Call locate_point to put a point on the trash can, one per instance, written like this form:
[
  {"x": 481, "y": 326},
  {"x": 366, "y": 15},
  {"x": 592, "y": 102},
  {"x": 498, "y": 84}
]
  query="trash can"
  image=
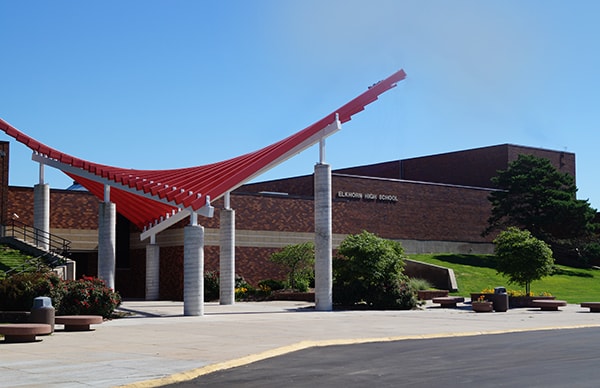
[
  {"x": 42, "y": 312},
  {"x": 500, "y": 300}
]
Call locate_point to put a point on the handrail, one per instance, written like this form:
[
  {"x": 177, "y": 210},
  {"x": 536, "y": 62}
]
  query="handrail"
[
  {"x": 53, "y": 244},
  {"x": 24, "y": 267}
]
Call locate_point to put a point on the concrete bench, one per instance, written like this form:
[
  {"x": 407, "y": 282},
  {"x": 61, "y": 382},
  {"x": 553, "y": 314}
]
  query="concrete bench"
[
  {"x": 548, "y": 305},
  {"x": 448, "y": 301},
  {"x": 430, "y": 294},
  {"x": 24, "y": 332},
  {"x": 593, "y": 306},
  {"x": 78, "y": 322}
]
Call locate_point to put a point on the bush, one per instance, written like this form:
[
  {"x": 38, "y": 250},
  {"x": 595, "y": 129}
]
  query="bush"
[
  {"x": 88, "y": 296},
  {"x": 405, "y": 296},
  {"x": 369, "y": 270},
  {"x": 419, "y": 284},
  {"x": 590, "y": 252},
  {"x": 243, "y": 290},
  {"x": 18, "y": 291},
  {"x": 299, "y": 260},
  {"x": 271, "y": 284},
  {"x": 211, "y": 286}
]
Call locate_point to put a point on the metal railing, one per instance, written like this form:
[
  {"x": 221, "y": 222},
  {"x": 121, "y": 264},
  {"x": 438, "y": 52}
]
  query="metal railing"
[
  {"x": 34, "y": 263},
  {"x": 49, "y": 242}
]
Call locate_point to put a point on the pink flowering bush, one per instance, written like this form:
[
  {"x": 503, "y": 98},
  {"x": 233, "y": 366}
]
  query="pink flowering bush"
[
  {"x": 18, "y": 291},
  {"x": 88, "y": 296}
]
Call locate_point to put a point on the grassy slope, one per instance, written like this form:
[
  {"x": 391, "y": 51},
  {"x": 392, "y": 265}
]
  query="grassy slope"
[
  {"x": 11, "y": 258},
  {"x": 476, "y": 272},
  {"x": 473, "y": 274}
]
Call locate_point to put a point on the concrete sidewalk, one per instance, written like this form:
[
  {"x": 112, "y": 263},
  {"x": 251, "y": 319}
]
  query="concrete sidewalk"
[{"x": 157, "y": 345}]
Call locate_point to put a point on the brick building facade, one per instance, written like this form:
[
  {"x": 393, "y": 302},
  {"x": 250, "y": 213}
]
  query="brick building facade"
[{"x": 434, "y": 203}]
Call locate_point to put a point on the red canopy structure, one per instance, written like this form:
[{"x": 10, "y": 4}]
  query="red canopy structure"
[{"x": 148, "y": 197}]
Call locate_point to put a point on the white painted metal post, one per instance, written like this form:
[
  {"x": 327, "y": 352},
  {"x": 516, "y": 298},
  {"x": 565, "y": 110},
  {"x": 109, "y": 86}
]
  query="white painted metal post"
[
  {"x": 323, "y": 239},
  {"x": 193, "y": 270}
]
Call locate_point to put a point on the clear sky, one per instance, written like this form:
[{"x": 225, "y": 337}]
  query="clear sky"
[{"x": 166, "y": 84}]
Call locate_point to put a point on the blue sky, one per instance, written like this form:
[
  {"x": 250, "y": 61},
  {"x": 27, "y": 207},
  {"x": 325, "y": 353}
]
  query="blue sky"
[{"x": 166, "y": 84}]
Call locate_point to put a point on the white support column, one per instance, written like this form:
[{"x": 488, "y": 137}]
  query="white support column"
[
  {"x": 193, "y": 270},
  {"x": 152, "y": 270},
  {"x": 227, "y": 255},
  {"x": 41, "y": 215},
  {"x": 323, "y": 238},
  {"x": 107, "y": 240}
]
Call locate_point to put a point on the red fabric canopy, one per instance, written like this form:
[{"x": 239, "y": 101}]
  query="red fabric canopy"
[{"x": 163, "y": 192}]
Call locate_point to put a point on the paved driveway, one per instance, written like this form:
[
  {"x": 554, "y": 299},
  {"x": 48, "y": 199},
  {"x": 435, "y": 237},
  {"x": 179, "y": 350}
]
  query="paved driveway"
[{"x": 565, "y": 358}]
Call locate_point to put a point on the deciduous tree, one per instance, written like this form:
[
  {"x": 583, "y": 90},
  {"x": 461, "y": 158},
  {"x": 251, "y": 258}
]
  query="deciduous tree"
[
  {"x": 522, "y": 257},
  {"x": 299, "y": 260}
]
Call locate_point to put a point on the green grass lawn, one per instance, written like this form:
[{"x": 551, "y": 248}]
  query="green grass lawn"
[
  {"x": 11, "y": 258},
  {"x": 476, "y": 272}
]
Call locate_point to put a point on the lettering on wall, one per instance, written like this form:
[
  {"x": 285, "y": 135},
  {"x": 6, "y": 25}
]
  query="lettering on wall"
[{"x": 367, "y": 196}]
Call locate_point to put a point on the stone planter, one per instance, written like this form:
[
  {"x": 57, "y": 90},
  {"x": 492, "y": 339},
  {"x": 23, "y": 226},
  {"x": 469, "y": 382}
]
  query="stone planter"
[
  {"x": 526, "y": 301},
  {"x": 482, "y": 307},
  {"x": 487, "y": 297},
  {"x": 499, "y": 301},
  {"x": 430, "y": 294},
  {"x": 297, "y": 296}
]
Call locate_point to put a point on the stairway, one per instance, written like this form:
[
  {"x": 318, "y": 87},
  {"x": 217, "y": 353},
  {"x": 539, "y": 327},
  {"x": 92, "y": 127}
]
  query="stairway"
[{"x": 54, "y": 250}]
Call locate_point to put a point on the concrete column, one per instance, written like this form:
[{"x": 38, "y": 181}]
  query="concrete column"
[
  {"x": 227, "y": 257},
  {"x": 71, "y": 269},
  {"x": 41, "y": 215},
  {"x": 107, "y": 243},
  {"x": 193, "y": 270},
  {"x": 152, "y": 272},
  {"x": 323, "y": 239}
]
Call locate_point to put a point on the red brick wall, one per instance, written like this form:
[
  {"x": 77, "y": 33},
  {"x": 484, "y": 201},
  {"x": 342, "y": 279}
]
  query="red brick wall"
[
  {"x": 476, "y": 167},
  {"x": 300, "y": 186},
  {"x": 391, "y": 170},
  {"x": 252, "y": 263},
  {"x": 470, "y": 168},
  {"x": 563, "y": 161},
  {"x": 68, "y": 209},
  {"x": 422, "y": 212},
  {"x": 256, "y": 212}
]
